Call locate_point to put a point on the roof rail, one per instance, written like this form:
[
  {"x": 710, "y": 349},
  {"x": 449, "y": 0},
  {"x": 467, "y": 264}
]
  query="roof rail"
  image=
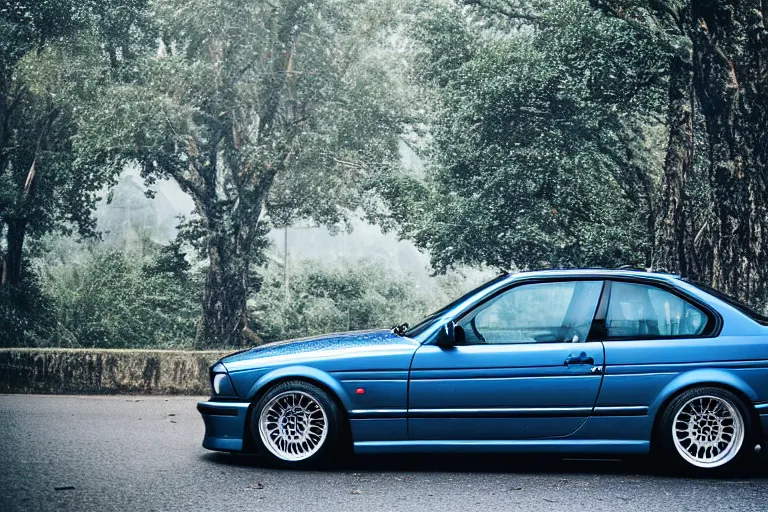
[{"x": 632, "y": 267}]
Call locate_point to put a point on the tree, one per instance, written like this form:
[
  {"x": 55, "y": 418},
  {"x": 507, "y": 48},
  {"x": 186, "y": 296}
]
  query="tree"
[
  {"x": 722, "y": 74},
  {"x": 544, "y": 112},
  {"x": 730, "y": 43},
  {"x": 53, "y": 56},
  {"x": 262, "y": 112}
]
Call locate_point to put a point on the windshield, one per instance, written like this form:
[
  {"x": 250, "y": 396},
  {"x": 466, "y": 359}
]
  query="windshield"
[
  {"x": 747, "y": 310},
  {"x": 427, "y": 321}
]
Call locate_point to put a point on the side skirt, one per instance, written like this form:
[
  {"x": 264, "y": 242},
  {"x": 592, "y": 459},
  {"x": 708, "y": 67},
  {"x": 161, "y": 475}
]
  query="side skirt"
[{"x": 599, "y": 446}]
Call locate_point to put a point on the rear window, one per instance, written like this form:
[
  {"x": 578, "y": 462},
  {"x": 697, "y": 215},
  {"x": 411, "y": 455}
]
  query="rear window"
[{"x": 747, "y": 310}]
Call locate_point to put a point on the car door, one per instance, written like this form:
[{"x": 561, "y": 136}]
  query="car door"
[{"x": 526, "y": 370}]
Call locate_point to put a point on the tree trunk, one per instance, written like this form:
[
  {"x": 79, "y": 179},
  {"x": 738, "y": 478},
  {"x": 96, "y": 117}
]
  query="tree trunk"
[
  {"x": 671, "y": 232},
  {"x": 224, "y": 300},
  {"x": 729, "y": 40},
  {"x": 227, "y": 284},
  {"x": 755, "y": 117},
  {"x": 12, "y": 259}
]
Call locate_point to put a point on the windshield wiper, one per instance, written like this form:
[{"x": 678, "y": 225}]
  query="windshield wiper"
[{"x": 400, "y": 330}]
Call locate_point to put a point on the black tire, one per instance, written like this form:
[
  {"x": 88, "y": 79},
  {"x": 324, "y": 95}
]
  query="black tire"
[
  {"x": 332, "y": 448},
  {"x": 668, "y": 449}
]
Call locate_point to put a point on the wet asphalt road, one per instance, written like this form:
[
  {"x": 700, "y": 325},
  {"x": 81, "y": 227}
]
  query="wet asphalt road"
[{"x": 144, "y": 453}]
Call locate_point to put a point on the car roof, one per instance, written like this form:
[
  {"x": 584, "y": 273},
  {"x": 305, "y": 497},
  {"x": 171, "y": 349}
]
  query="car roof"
[{"x": 597, "y": 272}]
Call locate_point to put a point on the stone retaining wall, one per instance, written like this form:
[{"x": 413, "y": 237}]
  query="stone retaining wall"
[{"x": 96, "y": 371}]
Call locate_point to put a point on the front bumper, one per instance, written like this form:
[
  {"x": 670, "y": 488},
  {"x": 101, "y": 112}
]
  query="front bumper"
[{"x": 224, "y": 424}]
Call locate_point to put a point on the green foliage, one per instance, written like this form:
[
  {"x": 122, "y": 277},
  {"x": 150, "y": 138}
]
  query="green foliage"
[
  {"x": 244, "y": 93},
  {"x": 42, "y": 122},
  {"x": 125, "y": 300},
  {"x": 537, "y": 160},
  {"x": 263, "y": 112},
  {"x": 347, "y": 296},
  {"x": 55, "y": 57},
  {"x": 27, "y": 314}
]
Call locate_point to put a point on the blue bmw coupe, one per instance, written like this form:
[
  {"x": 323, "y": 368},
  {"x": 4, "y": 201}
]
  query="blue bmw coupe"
[{"x": 566, "y": 361}]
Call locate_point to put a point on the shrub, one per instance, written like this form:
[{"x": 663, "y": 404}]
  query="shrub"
[
  {"x": 26, "y": 313},
  {"x": 347, "y": 296},
  {"x": 125, "y": 300}
]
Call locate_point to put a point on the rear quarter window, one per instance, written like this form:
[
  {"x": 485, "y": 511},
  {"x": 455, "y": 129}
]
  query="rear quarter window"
[{"x": 642, "y": 311}]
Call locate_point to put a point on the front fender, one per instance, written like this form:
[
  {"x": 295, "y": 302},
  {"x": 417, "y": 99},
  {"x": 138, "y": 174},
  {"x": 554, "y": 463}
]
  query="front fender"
[
  {"x": 708, "y": 376},
  {"x": 301, "y": 373}
]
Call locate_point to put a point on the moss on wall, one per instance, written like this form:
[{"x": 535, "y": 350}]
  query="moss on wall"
[{"x": 95, "y": 371}]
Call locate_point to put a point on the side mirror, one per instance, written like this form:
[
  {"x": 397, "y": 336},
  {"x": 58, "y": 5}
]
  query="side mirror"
[{"x": 450, "y": 335}]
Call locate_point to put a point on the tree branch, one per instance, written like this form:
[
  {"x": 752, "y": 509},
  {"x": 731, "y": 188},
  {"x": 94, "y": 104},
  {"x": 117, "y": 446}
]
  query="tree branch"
[
  {"x": 5, "y": 132},
  {"x": 276, "y": 82}
]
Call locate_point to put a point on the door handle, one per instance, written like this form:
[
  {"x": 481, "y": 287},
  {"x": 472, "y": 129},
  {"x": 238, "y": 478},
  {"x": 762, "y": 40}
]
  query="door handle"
[{"x": 582, "y": 358}]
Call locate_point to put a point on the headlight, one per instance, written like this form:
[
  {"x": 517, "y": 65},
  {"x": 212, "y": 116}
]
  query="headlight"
[
  {"x": 220, "y": 381},
  {"x": 217, "y": 382}
]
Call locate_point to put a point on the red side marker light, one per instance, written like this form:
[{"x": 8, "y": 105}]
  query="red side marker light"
[{"x": 360, "y": 391}]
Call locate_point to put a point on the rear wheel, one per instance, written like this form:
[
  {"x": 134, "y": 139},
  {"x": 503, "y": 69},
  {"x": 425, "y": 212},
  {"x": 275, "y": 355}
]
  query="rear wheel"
[
  {"x": 296, "y": 424},
  {"x": 706, "y": 429}
]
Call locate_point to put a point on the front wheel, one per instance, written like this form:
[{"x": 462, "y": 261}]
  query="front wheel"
[
  {"x": 296, "y": 424},
  {"x": 706, "y": 429}
]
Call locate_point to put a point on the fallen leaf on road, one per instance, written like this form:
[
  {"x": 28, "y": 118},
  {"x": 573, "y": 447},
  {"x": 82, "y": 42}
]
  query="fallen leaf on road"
[
  {"x": 257, "y": 485},
  {"x": 356, "y": 491}
]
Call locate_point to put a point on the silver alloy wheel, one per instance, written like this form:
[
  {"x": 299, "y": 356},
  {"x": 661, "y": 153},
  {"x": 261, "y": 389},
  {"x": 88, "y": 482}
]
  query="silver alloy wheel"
[
  {"x": 708, "y": 431},
  {"x": 293, "y": 426}
]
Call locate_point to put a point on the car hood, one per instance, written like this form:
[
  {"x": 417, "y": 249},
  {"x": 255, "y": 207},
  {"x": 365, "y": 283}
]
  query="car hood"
[{"x": 327, "y": 345}]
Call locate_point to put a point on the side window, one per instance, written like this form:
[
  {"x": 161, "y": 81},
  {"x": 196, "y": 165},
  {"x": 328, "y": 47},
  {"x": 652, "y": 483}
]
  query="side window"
[
  {"x": 644, "y": 311},
  {"x": 536, "y": 313}
]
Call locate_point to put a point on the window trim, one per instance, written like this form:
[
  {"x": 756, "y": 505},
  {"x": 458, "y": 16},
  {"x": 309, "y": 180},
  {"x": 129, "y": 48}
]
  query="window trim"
[
  {"x": 712, "y": 328},
  {"x": 462, "y": 315}
]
